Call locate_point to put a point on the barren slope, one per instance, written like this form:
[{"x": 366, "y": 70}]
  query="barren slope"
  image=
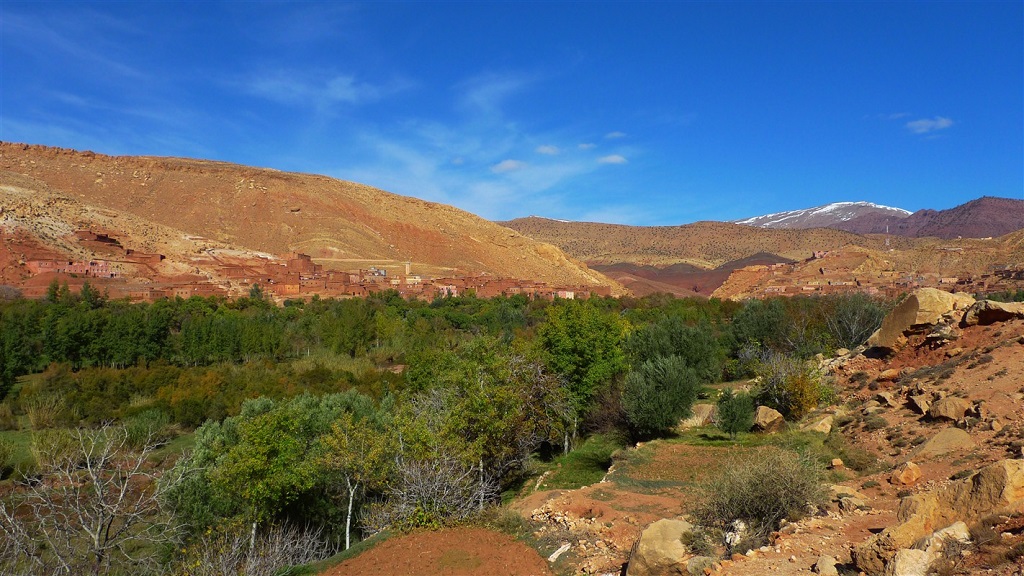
[{"x": 159, "y": 201}]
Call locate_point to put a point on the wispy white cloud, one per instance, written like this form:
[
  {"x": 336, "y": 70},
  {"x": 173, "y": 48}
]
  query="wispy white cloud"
[
  {"x": 897, "y": 115},
  {"x": 587, "y": 146},
  {"x": 318, "y": 90},
  {"x": 612, "y": 159},
  {"x": 926, "y": 125},
  {"x": 548, "y": 150},
  {"x": 614, "y": 135},
  {"x": 85, "y": 36},
  {"x": 486, "y": 93},
  {"x": 508, "y": 165}
]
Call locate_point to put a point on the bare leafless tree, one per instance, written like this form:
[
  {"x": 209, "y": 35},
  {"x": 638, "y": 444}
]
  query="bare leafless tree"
[
  {"x": 91, "y": 509},
  {"x": 230, "y": 552},
  {"x": 435, "y": 490}
]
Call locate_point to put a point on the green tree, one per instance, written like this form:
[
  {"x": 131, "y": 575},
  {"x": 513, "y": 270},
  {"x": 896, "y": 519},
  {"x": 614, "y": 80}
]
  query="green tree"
[
  {"x": 583, "y": 345},
  {"x": 658, "y": 394},
  {"x": 735, "y": 412},
  {"x": 361, "y": 454},
  {"x": 672, "y": 336}
]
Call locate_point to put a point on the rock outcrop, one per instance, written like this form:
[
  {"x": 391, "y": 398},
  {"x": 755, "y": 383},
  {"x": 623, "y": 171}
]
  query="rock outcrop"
[
  {"x": 918, "y": 313},
  {"x": 946, "y": 441},
  {"x": 997, "y": 488},
  {"x": 989, "y": 312}
]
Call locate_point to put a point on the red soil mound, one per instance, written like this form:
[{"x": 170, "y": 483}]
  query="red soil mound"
[{"x": 458, "y": 552}]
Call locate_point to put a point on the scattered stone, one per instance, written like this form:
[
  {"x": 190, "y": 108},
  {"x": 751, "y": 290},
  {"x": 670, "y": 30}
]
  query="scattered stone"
[
  {"x": 946, "y": 441},
  {"x": 826, "y": 566},
  {"x": 557, "y": 553},
  {"x": 920, "y": 403},
  {"x": 768, "y": 420},
  {"x": 954, "y": 352},
  {"x": 849, "y": 504},
  {"x": 836, "y": 463},
  {"x": 887, "y": 398},
  {"x": 995, "y": 425},
  {"x": 660, "y": 549},
  {"x": 949, "y": 408},
  {"x": 907, "y": 474},
  {"x": 842, "y": 352},
  {"x": 889, "y": 375},
  {"x": 941, "y": 334},
  {"x": 824, "y": 425}
]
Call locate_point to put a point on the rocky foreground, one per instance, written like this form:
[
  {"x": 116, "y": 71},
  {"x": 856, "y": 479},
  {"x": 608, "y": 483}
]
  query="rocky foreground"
[{"x": 936, "y": 395}]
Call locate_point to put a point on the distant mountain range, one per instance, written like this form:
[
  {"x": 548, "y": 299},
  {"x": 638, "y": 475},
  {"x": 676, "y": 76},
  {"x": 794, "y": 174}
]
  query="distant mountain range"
[
  {"x": 827, "y": 216},
  {"x": 699, "y": 258},
  {"x": 982, "y": 218}
]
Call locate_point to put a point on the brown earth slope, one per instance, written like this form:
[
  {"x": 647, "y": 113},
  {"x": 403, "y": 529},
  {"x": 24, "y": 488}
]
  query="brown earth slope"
[{"x": 178, "y": 205}]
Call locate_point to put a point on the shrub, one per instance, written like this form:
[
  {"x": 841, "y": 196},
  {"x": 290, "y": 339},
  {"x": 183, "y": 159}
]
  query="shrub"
[
  {"x": 658, "y": 394},
  {"x": 147, "y": 428},
  {"x": 735, "y": 412},
  {"x": 791, "y": 386},
  {"x": 875, "y": 422},
  {"x": 761, "y": 489}
]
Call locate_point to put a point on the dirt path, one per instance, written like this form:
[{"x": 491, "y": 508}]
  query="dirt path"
[{"x": 457, "y": 552}]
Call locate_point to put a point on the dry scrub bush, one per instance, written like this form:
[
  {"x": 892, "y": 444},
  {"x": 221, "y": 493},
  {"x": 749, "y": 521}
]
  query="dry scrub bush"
[{"x": 761, "y": 488}]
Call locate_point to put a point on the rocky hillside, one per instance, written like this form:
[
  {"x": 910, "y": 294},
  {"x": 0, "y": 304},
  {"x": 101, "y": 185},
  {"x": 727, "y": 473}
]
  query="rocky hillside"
[
  {"x": 982, "y": 218},
  {"x": 706, "y": 245},
  {"x": 933, "y": 482},
  {"x": 176, "y": 206}
]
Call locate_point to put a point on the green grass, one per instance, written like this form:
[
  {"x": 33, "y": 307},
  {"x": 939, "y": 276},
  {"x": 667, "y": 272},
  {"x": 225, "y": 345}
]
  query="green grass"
[
  {"x": 176, "y": 447},
  {"x": 22, "y": 441},
  {"x": 584, "y": 465}
]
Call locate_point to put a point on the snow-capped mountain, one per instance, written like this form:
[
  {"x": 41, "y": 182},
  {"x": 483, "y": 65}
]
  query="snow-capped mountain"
[{"x": 827, "y": 216}]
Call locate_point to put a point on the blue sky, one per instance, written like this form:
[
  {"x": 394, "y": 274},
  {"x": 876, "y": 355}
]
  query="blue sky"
[{"x": 637, "y": 113}]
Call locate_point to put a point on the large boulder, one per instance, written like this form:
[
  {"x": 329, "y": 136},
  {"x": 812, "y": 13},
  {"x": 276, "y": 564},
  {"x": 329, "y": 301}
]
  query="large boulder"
[
  {"x": 660, "y": 550},
  {"x": 946, "y": 441},
  {"x": 910, "y": 563},
  {"x": 989, "y": 312},
  {"x": 768, "y": 419},
  {"x": 949, "y": 408},
  {"x": 918, "y": 312},
  {"x": 997, "y": 488}
]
